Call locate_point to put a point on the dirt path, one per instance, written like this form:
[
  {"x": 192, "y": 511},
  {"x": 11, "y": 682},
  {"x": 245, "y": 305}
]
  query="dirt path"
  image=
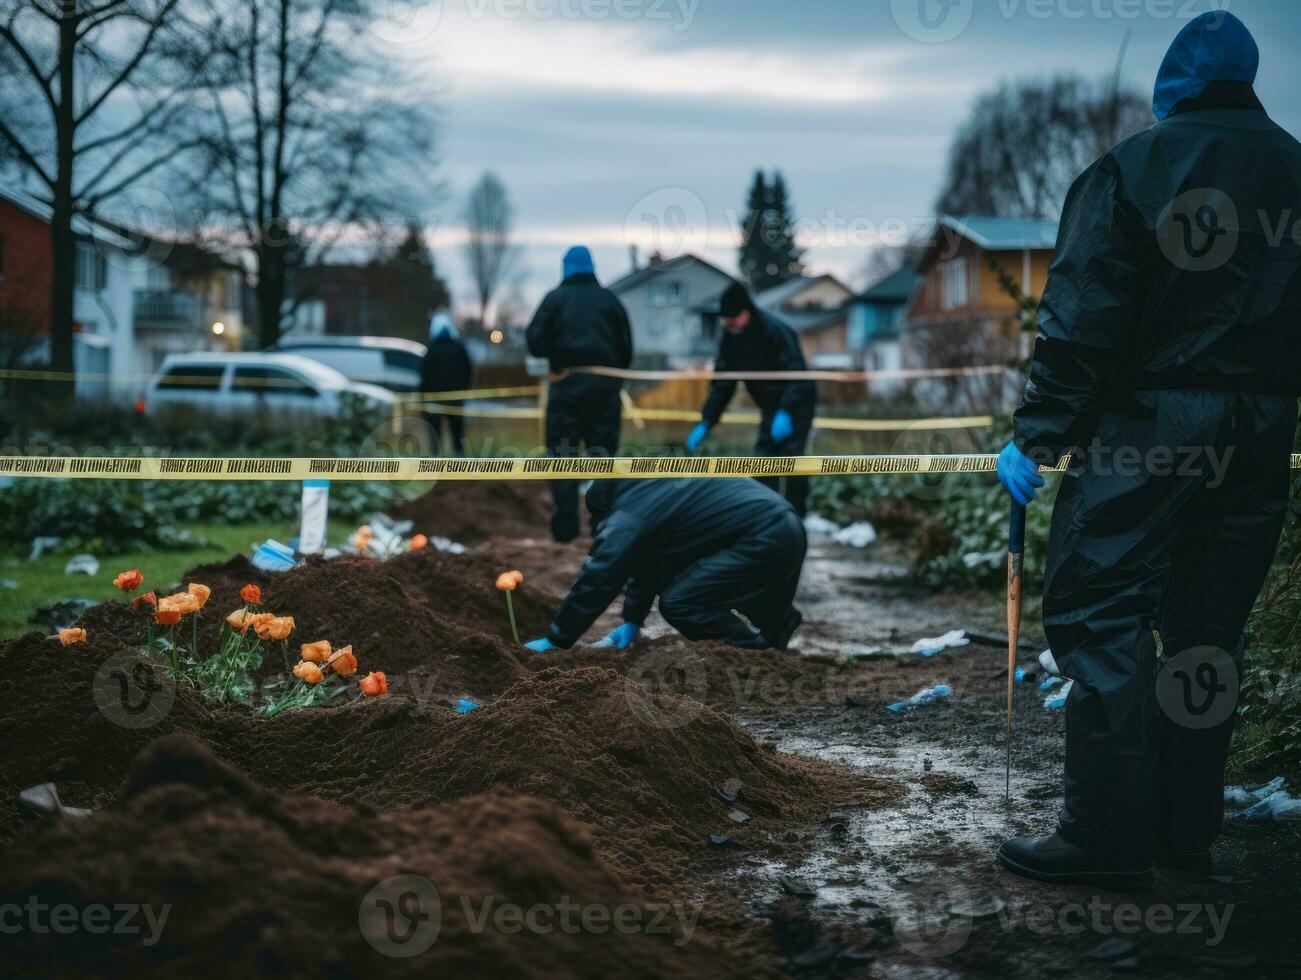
[{"x": 912, "y": 889}]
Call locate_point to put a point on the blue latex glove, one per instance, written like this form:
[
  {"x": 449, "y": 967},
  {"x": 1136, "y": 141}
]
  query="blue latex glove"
[
  {"x": 541, "y": 646},
  {"x": 1019, "y": 474},
  {"x": 620, "y": 639},
  {"x": 782, "y": 426},
  {"x": 697, "y": 436}
]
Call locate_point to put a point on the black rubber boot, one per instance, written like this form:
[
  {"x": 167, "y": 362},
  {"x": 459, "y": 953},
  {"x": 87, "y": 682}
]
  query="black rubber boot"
[
  {"x": 1195, "y": 862},
  {"x": 1061, "y": 862}
]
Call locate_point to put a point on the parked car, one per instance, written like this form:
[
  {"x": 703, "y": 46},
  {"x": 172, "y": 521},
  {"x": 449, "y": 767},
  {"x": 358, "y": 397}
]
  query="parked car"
[
  {"x": 235, "y": 384},
  {"x": 389, "y": 362}
]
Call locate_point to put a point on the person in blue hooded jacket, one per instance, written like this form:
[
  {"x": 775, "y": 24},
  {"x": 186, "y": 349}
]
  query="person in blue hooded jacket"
[
  {"x": 1168, "y": 366},
  {"x": 446, "y": 367},
  {"x": 580, "y": 324}
]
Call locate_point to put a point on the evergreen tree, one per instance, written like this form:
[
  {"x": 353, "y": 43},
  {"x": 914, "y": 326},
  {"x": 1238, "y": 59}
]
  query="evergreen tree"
[
  {"x": 409, "y": 286},
  {"x": 768, "y": 253}
]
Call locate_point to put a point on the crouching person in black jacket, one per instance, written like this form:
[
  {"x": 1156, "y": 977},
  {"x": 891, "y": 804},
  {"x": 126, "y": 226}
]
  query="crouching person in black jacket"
[{"x": 709, "y": 549}]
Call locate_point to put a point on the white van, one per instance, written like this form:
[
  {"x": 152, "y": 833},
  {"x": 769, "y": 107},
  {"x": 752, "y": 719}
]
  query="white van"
[
  {"x": 252, "y": 383},
  {"x": 389, "y": 362}
]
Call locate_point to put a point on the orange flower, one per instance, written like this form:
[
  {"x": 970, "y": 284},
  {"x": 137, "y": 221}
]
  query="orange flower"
[
  {"x": 309, "y": 672},
  {"x": 274, "y": 627},
  {"x": 181, "y": 602},
  {"x": 251, "y": 594},
  {"x": 147, "y": 601},
  {"x": 419, "y": 542},
  {"x": 70, "y": 636},
  {"x": 374, "y": 684},
  {"x": 510, "y": 581},
  {"x": 167, "y": 617},
  {"x": 317, "y": 653},
  {"x": 200, "y": 592},
  {"x": 343, "y": 662},
  {"x": 362, "y": 538},
  {"x": 241, "y": 619},
  {"x": 129, "y": 581}
]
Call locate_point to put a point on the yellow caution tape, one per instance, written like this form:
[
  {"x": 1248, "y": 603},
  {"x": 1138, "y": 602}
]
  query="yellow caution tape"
[
  {"x": 445, "y": 468},
  {"x": 638, "y": 415},
  {"x": 707, "y": 374},
  {"x": 435, "y": 397},
  {"x": 401, "y": 469}
]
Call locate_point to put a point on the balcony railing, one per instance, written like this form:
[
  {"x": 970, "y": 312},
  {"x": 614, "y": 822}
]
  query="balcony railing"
[{"x": 168, "y": 310}]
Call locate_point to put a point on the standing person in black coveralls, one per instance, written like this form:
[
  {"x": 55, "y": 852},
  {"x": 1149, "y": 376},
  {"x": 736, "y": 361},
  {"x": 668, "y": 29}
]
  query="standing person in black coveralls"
[
  {"x": 754, "y": 340},
  {"x": 1169, "y": 358},
  {"x": 579, "y": 324},
  {"x": 705, "y": 547},
  {"x": 446, "y": 367}
]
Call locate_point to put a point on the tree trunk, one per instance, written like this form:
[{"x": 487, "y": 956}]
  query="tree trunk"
[
  {"x": 270, "y": 292},
  {"x": 63, "y": 241}
]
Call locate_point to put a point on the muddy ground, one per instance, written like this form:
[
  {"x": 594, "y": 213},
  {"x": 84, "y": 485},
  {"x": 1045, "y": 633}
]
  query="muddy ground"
[{"x": 864, "y": 846}]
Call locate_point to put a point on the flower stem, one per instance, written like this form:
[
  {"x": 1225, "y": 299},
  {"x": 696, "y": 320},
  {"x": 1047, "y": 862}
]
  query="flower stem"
[{"x": 510, "y": 610}]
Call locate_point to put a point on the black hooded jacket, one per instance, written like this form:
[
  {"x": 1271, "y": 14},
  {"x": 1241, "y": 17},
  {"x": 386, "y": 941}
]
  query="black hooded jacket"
[
  {"x": 446, "y": 366},
  {"x": 581, "y": 324},
  {"x": 649, "y": 532},
  {"x": 1178, "y": 265},
  {"x": 768, "y": 344}
]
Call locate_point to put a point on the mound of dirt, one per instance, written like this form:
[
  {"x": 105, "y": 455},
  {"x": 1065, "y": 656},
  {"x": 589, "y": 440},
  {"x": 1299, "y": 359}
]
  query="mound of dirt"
[
  {"x": 287, "y": 886},
  {"x": 427, "y": 618},
  {"x": 643, "y": 770},
  {"x": 471, "y": 513}
]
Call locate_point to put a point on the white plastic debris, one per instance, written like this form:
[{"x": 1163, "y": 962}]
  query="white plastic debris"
[
  {"x": 8, "y": 583},
  {"x": 925, "y": 696},
  {"x": 272, "y": 556},
  {"x": 931, "y": 645},
  {"x": 1277, "y": 806},
  {"x": 1048, "y": 662},
  {"x": 857, "y": 535},
  {"x": 817, "y": 526},
  {"x": 1240, "y": 796},
  {"x": 992, "y": 559},
  {"x": 1057, "y": 699},
  {"x": 41, "y": 545},
  {"x": 448, "y": 545},
  {"x": 82, "y": 565}
]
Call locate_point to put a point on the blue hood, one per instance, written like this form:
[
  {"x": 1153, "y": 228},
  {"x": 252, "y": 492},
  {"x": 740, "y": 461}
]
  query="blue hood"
[
  {"x": 1215, "y": 47},
  {"x": 578, "y": 262},
  {"x": 441, "y": 326}
]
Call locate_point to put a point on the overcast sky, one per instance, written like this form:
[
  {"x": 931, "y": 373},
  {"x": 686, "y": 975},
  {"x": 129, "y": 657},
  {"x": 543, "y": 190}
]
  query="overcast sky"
[{"x": 614, "y": 122}]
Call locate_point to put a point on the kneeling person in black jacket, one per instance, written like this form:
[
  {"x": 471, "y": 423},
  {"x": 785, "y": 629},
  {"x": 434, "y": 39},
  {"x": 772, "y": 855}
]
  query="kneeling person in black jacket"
[{"x": 707, "y": 548}]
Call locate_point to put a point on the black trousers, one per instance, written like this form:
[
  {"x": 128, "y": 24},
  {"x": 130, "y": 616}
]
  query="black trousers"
[
  {"x": 583, "y": 418},
  {"x": 1182, "y": 550},
  {"x": 757, "y": 577},
  {"x": 793, "y": 488},
  {"x": 455, "y": 425}
]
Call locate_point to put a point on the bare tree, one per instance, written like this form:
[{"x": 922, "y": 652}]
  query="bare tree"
[
  {"x": 305, "y": 144},
  {"x": 92, "y": 98},
  {"x": 1026, "y": 141},
  {"x": 488, "y": 249}
]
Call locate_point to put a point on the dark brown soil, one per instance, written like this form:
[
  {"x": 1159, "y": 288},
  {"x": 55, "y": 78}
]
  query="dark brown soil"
[
  {"x": 471, "y": 513},
  {"x": 641, "y": 769},
  {"x": 276, "y": 884}
]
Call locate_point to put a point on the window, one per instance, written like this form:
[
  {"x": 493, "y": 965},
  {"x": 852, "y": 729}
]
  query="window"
[
  {"x": 665, "y": 294},
  {"x": 271, "y": 382},
  {"x": 955, "y": 284},
  {"x": 92, "y": 267},
  {"x": 193, "y": 377}
]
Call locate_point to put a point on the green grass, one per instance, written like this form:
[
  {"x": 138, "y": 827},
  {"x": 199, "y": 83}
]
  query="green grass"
[{"x": 42, "y": 582}]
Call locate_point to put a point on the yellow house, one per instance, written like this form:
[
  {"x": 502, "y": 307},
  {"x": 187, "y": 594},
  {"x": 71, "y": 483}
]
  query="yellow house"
[{"x": 964, "y": 269}]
